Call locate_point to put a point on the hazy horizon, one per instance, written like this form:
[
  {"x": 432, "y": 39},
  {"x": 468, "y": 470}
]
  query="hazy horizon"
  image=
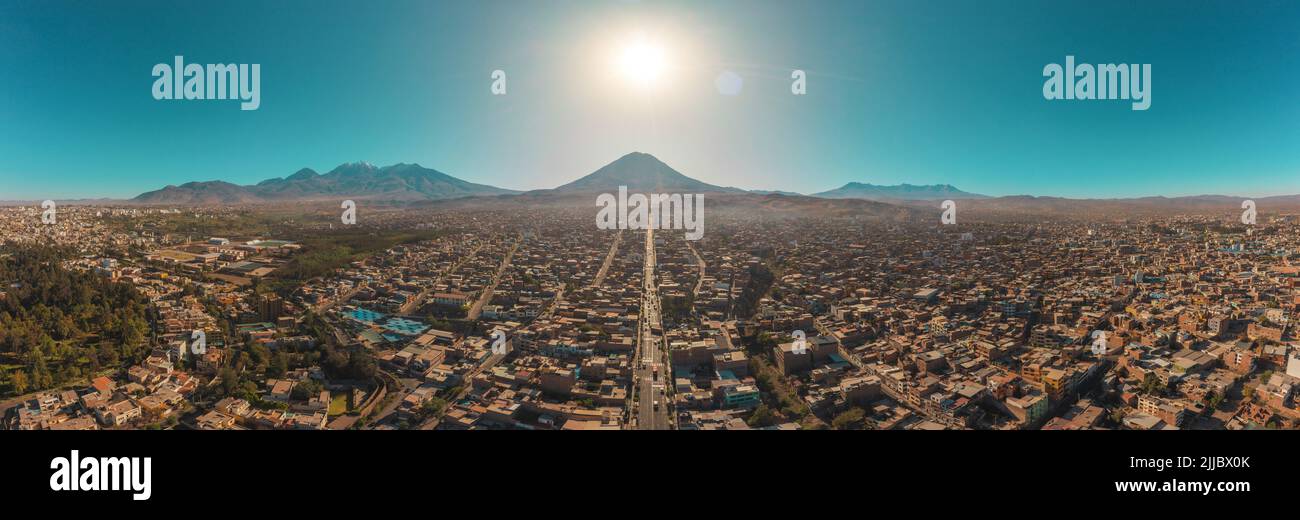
[{"x": 810, "y": 193}]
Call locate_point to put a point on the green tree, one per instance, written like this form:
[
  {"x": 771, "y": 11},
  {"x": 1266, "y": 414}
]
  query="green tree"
[
  {"x": 229, "y": 381},
  {"x": 65, "y": 323},
  {"x": 432, "y": 408},
  {"x": 279, "y": 365},
  {"x": 305, "y": 390},
  {"x": 851, "y": 419},
  {"x": 1215, "y": 400},
  {"x": 361, "y": 365},
  {"x": 762, "y": 416},
  {"x": 41, "y": 377},
  {"x": 1151, "y": 385},
  {"x": 18, "y": 380}
]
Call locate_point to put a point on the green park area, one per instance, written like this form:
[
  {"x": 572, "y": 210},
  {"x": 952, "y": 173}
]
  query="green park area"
[{"x": 338, "y": 403}]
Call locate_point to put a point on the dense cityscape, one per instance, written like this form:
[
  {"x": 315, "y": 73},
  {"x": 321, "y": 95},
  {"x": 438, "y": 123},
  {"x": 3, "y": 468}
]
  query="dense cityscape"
[{"x": 426, "y": 317}]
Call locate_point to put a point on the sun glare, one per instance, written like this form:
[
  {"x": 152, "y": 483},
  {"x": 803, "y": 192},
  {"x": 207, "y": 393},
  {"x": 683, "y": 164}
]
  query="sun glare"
[{"x": 643, "y": 63}]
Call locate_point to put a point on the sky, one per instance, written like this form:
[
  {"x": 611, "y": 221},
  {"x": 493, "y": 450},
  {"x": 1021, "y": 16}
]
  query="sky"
[{"x": 897, "y": 92}]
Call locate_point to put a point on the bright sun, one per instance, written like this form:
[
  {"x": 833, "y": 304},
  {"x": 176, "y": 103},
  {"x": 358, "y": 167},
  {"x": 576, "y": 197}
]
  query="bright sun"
[{"x": 642, "y": 63}]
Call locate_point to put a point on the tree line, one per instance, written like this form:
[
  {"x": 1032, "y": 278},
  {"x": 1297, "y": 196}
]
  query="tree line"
[{"x": 58, "y": 325}]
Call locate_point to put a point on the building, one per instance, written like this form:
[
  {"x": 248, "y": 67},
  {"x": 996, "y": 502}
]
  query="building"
[
  {"x": 451, "y": 299},
  {"x": 1239, "y": 360},
  {"x": 791, "y": 361},
  {"x": 270, "y": 307},
  {"x": 558, "y": 381},
  {"x": 1164, "y": 409},
  {"x": 740, "y": 396},
  {"x": 1030, "y": 408}
]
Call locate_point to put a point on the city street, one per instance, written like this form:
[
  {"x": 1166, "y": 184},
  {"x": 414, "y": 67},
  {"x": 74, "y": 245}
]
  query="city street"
[{"x": 652, "y": 367}]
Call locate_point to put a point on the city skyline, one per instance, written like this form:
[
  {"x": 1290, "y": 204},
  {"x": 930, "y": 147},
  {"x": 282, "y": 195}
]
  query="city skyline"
[{"x": 896, "y": 94}]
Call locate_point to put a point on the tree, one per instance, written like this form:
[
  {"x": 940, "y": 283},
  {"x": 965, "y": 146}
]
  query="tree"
[
  {"x": 279, "y": 365},
  {"x": 229, "y": 380},
  {"x": 432, "y": 408},
  {"x": 811, "y": 422},
  {"x": 133, "y": 332},
  {"x": 851, "y": 419},
  {"x": 336, "y": 363},
  {"x": 1151, "y": 385},
  {"x": 259, "y": 354},
  {"x": 18, "y": 381},
  {"x": 1215, "y": 400},
  {"x": 41, "y": 377},
  {"x": 762, "y": 416},
  {"x": 305, "y": 390},
  {"x": 361, "y": 365},
  {"x": 46, "y": 320}
]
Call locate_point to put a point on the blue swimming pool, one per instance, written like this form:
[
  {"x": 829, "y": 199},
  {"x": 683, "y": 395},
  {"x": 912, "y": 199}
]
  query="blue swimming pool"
[
  {"x": 395, "y": 325},
  {"x": 365, "y": 315},
  {"x": 405, "y": 326}
]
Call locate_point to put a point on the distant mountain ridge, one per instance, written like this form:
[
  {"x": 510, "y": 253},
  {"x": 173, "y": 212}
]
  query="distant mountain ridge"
[
  {"x": 644, "y": 173},
  {"x": 859, "y": 190},
  {"x": 360, "y": 180}
]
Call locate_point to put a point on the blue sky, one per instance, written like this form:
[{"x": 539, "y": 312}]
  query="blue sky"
[{"x": 898, "y": 91}]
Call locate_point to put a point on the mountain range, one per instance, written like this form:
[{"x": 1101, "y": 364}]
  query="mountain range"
[
  {"x": 858, "y": 190},
  {"x": 358, "y": 180},
  {"x": 640, "y": 172},
  {"x": 644, "y": 173}
]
